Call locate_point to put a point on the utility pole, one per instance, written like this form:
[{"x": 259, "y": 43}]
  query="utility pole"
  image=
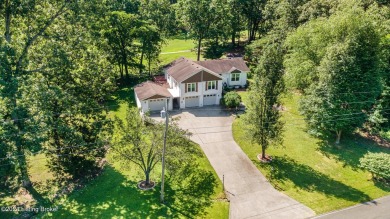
[{"x": 163, "y": 152}]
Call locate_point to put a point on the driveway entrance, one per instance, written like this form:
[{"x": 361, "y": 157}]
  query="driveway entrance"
[{"x": 250, "y": 194}]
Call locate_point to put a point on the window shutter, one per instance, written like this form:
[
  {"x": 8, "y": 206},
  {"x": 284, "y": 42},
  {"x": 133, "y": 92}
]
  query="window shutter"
[
  {"x": 207, "y": 85},
  {"x": 216, "y": 85},
  {"x": 196, "y": 87},
  {"x": 185, "y": 88}
]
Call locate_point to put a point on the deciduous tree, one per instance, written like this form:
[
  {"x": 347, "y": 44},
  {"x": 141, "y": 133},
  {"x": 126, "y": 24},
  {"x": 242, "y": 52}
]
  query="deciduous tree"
[{"x": 338, "y": 70}]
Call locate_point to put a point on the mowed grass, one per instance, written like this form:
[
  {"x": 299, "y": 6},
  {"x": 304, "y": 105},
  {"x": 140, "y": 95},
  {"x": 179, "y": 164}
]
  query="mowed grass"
[
  {"x": 114, "y": 194},
  {"x": 178, "y": 47},
  {"x": 177, "y": 44},
  {"x": 321, "y": 175}
]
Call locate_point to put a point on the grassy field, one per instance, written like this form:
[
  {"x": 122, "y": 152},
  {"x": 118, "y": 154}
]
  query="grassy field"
[
  {"x": 176, "y": 48},
  {"x": 318, "y": 174},
  {"x": 114, "y": 193}
]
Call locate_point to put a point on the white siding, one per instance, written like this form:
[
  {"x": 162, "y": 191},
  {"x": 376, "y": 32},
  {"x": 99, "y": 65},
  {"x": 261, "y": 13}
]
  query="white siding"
[
  {"x": 227, "y": 77},
  {"x": 201, "y": 91}
]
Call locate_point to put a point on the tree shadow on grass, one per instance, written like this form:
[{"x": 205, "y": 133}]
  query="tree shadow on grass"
[
  {"x": 306, "y": 178},
  {"x": 122, "y": 95},
  {"x": 350, "y": 150},
  {"x": 113, "y": 195},
  {"x": 192, "y": 196}
]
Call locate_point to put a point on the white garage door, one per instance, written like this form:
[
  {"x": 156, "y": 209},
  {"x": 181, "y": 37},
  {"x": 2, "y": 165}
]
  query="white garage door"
[
  {"x": 209, "y": 99},
  {"x": 156, "y": 104},
  {"x": 192, "y": 101}
]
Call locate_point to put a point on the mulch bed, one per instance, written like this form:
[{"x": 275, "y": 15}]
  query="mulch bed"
[
  {"x": 267, "y": 158},
  {"x": 143, "y": 186}
]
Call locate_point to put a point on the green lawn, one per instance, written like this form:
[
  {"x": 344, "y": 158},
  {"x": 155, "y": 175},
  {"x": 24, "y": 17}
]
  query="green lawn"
[
  {"x": 320, "y": 175},
  {"x": 178, "y": 44},
  {"x": 177, "y": 47},
  {"x": 114, "y": 193}
]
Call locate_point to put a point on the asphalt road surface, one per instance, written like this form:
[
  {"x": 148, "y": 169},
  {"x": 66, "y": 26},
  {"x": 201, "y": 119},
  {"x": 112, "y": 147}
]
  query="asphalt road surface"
[{"x": 378, "y": 209}]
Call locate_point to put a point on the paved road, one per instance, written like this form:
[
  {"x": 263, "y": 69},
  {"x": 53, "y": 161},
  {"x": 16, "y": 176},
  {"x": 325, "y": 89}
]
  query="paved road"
[
  {"x": 378, "y": 209},
  {"x": 250, "y": 194}
]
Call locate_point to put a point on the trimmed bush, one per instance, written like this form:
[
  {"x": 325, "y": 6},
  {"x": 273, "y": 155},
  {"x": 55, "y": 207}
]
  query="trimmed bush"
[
  {"x": 378, "y": 164},
  {"x": 232, "y": 99}
]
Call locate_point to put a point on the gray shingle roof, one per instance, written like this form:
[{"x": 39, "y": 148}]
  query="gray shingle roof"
[
  {"x": 150, "y": 89},
  {"x": 224, "y": 65},
  {"x": 182, "y": 68}
]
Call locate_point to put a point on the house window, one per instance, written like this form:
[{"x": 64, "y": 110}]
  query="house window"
[
  {"x": 211, "y": 85},
  {"x": 235, "y": 76},
  {"x": 191, "y": 87}
]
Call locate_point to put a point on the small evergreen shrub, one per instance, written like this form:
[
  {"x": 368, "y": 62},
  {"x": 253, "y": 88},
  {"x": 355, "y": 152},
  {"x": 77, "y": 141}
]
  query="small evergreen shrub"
[
  {"x": 232, "y": 99},
  {"x": 378, "y": 164}
]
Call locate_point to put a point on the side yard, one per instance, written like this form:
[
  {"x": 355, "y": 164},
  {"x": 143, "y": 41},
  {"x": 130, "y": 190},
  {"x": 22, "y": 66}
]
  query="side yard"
[
  {"x": 114, "y": 193},
  {"x": 316, "y": 173}
]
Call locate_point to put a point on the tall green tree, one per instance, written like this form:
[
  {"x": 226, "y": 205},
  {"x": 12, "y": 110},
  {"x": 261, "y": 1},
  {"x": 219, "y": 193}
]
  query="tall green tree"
[
  {"x": 20, "y": 39},
  {"x": 161, "y": 13},
  {"x": 121, "y": 33},
  {"x": 68, "y": 95},
  {"x": 262, "y": 117},
  {"x": 151, "y": 41},
  {"x": 253, "y": 10},
  {"x": 199, "y": 17},
  {"x": 339, "y": 70}
]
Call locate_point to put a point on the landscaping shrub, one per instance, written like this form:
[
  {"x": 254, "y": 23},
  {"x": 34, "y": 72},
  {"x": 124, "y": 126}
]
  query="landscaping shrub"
[
  {"x": 232, "y": 99},
  {"x": 378, "y": 164}
]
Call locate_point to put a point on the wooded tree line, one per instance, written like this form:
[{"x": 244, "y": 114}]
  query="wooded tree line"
[{"x": 335, "y": 53}]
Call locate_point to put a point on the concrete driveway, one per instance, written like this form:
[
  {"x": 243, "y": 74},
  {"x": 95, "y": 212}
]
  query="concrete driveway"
[{"x": 250, "y": 194}]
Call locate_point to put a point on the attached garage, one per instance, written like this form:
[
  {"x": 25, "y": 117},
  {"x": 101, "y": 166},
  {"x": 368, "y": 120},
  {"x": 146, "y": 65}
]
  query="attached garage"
[
  {"x": 151, "y": 96},
  {"x": 156, "y": 104},
  {"x": 192, "y": 101},
  {"x": 209, "y": 99}
]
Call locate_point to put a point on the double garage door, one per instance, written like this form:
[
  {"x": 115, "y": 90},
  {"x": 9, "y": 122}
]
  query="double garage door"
[
  {"x": 209, "y": 99},
  {"x": 156, "y": 104}
]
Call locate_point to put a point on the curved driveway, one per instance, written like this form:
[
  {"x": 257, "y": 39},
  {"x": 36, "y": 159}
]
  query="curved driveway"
[{"x": 250, "y": 194}]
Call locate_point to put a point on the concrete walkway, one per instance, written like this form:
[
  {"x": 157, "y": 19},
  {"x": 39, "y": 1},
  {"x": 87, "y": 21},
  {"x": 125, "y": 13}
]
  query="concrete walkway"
[
  {"x": 250, "y": 194},
  {"x": 378, "y": 209}
]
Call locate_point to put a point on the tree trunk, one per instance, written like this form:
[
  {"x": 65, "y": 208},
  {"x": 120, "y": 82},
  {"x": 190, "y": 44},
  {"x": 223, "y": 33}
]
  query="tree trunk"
[
  {"x": 199, "y": 45},
  {"x": 7, "y": 33},
  {"x": 263, "y": 152},
  {"x": 234, "y": 38},
  {"x": 141, "y": 62},
  {"x": 24, "y": 177},
  {"x": 338, "y": 133},
  {"x": 149, "y": 64},
  {"x": 147, "y": 178},
  {"x": 120, "y": 69},
  {"x": 124, "y": 59}
]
